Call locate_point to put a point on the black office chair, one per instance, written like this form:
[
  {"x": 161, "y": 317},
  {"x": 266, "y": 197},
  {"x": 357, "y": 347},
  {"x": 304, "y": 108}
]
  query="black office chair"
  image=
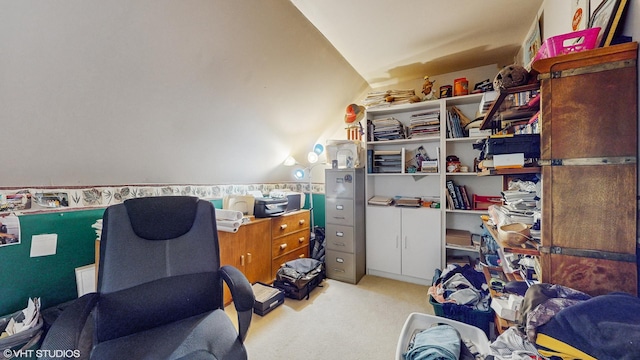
[{"x": 159, "y": 289}]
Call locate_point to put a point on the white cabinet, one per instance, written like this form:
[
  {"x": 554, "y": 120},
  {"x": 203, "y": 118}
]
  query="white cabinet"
[{"x": 403, "y": 243}]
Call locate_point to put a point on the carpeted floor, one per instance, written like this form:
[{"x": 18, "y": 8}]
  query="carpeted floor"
[{"x": 340, "y": 322}]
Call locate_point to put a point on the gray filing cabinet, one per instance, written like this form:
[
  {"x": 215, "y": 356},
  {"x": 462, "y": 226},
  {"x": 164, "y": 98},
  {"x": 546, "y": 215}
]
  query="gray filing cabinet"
[{"x": 345, "y": 228}]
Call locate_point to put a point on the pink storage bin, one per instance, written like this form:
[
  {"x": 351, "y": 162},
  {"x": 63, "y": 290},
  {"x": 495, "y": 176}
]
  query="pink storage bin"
[{"x": 568, "y": 43}]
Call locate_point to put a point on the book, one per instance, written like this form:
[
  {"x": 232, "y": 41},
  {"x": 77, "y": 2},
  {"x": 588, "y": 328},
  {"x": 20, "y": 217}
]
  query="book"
[{"x": 452, "y": 192}]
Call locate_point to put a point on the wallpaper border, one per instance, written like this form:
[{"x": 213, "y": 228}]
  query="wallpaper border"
[{"x": 43, "y": 199}]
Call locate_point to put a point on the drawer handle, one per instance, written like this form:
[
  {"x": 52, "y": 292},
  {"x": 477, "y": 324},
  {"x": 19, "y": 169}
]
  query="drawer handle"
[
  {"x": 339, "y": 234},
  {"x": 340, "y": 260},
  {"x": 339, "y": 244},
  {"x": 301, "y": 222},
  {"x": 301, "y": 239},
  {"x": 283, "y": 226},
  {"x": 338, "y": 270},
  {"x": 283, "y": 246},
  {"x": 339, "y": 217},
  {"x": 339, "y": 207},
  {"x": 301, "y": 256}
]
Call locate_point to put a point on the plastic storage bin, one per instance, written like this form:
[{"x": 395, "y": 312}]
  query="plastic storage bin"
[
  {"x": 568, "y": 43},
  {"x": 479, "y": 319},
  {"x": 417, "y": 321}
]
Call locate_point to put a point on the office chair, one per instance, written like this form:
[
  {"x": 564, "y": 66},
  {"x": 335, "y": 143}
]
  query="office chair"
[{"x": 159, "y": 290}]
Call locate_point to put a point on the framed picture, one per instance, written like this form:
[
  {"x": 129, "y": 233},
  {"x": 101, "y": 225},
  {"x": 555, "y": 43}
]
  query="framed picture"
[{"x": 607, "y": 16}]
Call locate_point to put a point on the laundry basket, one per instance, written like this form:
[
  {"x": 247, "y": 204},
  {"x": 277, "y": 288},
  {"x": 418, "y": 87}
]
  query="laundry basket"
[{"x": 418, "y": 321}]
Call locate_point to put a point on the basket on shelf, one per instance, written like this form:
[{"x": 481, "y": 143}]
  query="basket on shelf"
[{"x": 563, "y": 44}]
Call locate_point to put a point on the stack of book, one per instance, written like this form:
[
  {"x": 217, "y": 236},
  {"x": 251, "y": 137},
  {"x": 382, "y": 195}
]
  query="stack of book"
[
  {"x": 520, "y": 205},
  {"x": 387, "y": 129},
  {"x": 380, "y": 200},
  {"x": 424, "y": 124},
  {"x": 407, "y": 201},
  {"x": 457, "y": 196}
]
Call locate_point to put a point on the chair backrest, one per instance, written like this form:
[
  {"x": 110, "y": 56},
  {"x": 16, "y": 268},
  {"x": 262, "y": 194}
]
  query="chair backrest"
[{"x": 159, "y": 262}]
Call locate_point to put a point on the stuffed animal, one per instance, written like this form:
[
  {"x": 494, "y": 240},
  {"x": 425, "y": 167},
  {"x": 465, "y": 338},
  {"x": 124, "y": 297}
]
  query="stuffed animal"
[{"x": 510, "y": 76}]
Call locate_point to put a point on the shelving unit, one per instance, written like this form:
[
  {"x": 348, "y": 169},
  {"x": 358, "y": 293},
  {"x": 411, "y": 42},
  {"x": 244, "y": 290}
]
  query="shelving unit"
[
  {"x": 408, "y": 244},
  {"x": 498, "y": 106}
]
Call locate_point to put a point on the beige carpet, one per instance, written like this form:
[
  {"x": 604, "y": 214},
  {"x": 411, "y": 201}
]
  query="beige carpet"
[{"x": 340, "y": 321}]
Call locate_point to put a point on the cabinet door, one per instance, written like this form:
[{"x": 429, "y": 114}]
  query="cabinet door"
[
  {"x": 383, "y": 239},
  {"x": 258, "y": 252},
  {"x": 420, "y": 242}
]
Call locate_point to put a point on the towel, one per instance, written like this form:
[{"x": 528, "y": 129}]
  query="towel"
[{"x": 223, "y": 214}]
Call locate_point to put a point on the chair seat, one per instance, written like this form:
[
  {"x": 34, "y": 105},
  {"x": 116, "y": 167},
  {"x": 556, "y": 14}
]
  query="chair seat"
[{"x": 208, "y": 336}]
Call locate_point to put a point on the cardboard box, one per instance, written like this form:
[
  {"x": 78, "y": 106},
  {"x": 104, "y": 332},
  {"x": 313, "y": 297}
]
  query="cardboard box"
[{"x": 458, "y": 237}]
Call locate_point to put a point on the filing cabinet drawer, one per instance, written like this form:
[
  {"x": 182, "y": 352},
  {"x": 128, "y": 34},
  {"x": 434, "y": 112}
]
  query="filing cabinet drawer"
[
  {"x": 340, "y": 265},
  {"x": 339, "y": 211},
  {"x": 287, "y": 243},
  {"x": 288, "y": 223},
  {"x": 339, "y": 184},
  {"x": 339, "y": 238}
]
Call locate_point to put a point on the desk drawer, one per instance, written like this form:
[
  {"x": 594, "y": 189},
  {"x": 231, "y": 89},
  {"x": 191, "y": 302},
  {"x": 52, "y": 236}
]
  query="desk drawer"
[
  {"x": 339, "y": 238},
  {"x": 340, "y": 265},
  {"x": 287, "y": 243},
  {"x": 339, "y": 211},
  {"x": 286, "y": 224}
]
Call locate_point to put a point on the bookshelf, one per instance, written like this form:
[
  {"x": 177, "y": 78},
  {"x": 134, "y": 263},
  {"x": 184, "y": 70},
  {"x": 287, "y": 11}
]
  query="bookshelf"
[
  {"x": 491, "y": 118},
  {"x": 408, "y": 243}
]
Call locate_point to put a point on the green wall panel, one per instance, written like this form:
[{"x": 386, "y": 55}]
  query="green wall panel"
[{"x": 52, "y": 278}]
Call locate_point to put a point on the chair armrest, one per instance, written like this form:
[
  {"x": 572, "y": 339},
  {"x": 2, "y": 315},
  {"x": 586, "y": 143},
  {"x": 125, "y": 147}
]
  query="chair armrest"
[
  {"x": 65, "y": 332},
  {"x": 243, "y": 297}
]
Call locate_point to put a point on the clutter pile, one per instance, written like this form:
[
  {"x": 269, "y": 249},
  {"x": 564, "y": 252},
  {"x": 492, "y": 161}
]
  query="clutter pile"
[{"x": 460, "y": 285}]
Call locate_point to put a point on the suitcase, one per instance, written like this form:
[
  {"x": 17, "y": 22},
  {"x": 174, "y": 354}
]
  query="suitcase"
[
  {"x": 267, "y": 298},
  {"x": 298, "y": 277}
]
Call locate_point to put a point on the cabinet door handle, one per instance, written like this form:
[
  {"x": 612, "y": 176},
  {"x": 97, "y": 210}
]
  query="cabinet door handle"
[
  {"x": 339, "y": 217},
  {"x": 301, "y": 239},
  {"x": 283, "y": 226},
  {"x": 242, "y": 260},
  {"x": 301, "y": 222},
  {"x": 249, "y": 258},
  {"x": 283, "y": 246},
  {"x": 405, "y": 242},
  {"x": 397, "y": 242}
]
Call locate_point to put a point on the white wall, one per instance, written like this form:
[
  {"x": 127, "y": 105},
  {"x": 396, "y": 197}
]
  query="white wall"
[{"x": 140, "y": 91}]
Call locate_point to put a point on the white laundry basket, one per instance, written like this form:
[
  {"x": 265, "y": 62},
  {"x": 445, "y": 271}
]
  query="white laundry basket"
[{"x": 418, "y": 321}]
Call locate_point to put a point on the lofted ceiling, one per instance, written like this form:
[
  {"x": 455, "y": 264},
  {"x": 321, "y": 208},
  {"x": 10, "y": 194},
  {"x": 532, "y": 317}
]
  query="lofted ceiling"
[{"x": 388, "y": 42}]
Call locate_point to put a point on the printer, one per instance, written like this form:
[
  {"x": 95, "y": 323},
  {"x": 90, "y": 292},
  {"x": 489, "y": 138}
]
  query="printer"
[
  {"x": 295, "y": 199},
  {"x": 268, "y": 207}
]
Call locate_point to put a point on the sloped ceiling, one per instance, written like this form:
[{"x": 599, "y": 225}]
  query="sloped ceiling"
[{"x": 388, "y": 42}]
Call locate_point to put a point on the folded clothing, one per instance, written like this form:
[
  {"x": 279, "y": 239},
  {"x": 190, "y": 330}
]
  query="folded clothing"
[{"x": 438, "y": 342}]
